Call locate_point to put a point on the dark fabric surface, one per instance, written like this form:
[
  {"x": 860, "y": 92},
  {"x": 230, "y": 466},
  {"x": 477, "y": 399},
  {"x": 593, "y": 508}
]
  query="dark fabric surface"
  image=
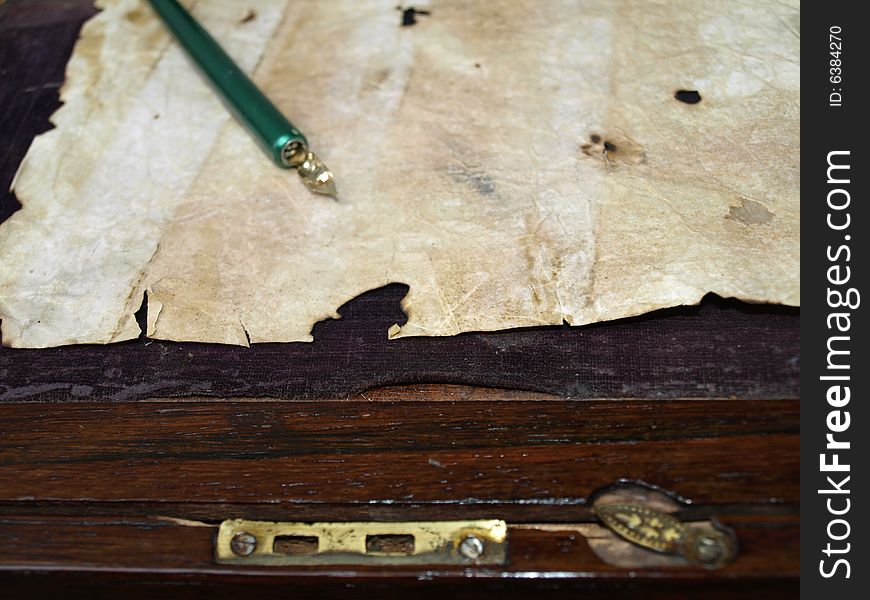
[{"x": 720, "y": 349}]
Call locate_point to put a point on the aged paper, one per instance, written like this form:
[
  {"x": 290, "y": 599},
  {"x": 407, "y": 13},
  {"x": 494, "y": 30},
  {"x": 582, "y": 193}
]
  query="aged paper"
[{"x": 516, "y": 163}]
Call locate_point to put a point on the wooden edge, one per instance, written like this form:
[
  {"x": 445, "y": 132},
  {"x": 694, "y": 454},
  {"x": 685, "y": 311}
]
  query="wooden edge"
[{"x": 163, "y": 545}]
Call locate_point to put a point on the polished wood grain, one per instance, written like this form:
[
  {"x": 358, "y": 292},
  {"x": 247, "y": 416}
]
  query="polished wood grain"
[
  {"x": 345, "y": 452},
  {"x": 139, "y": 488}
]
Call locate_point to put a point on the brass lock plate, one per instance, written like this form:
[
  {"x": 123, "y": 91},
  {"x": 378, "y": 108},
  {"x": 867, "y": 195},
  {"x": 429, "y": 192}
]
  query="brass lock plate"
[{"x": 479, "y": 542}]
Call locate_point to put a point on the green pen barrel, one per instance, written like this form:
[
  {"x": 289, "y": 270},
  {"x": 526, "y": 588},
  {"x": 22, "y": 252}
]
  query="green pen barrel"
[{"x": 278, "y": 137}]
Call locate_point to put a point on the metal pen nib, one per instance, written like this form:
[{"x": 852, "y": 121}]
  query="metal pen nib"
[{"x": 316, "y": 176}]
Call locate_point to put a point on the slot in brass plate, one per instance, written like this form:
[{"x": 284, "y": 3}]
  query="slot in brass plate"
[{"x": 480, "y": 542}]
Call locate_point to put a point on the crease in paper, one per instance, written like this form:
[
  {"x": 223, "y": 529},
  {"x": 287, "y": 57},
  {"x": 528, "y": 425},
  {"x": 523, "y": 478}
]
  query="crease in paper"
[{"x": 515, "y": 164}]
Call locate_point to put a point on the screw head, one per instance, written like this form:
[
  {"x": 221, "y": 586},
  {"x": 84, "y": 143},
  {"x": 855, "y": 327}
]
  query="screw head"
[
  {"x": 708, "y": 549},
  {"x": 471, "y": 547},
  {"x": 243, "y": 544}
]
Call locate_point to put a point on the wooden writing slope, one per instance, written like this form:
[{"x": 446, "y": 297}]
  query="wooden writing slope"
[{"x": 119, "y": 464}]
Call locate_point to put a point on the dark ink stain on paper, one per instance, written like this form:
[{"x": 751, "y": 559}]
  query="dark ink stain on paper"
[
  {"x": 612, "y": 152},
  {"x": 409, "y": 15},
  {"x": 688, "y": 96},
  {"x": 479, "y": 182}
]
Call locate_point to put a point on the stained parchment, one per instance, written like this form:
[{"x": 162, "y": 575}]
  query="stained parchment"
[{"x": 515, "y": 162}]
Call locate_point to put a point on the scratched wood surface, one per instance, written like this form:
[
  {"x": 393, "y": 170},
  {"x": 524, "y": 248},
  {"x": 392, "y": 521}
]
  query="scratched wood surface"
[
  {"x": 358, "y": 452},
  {"x": 116, "y": 463},
  {"x": 139, "y": 487}
]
